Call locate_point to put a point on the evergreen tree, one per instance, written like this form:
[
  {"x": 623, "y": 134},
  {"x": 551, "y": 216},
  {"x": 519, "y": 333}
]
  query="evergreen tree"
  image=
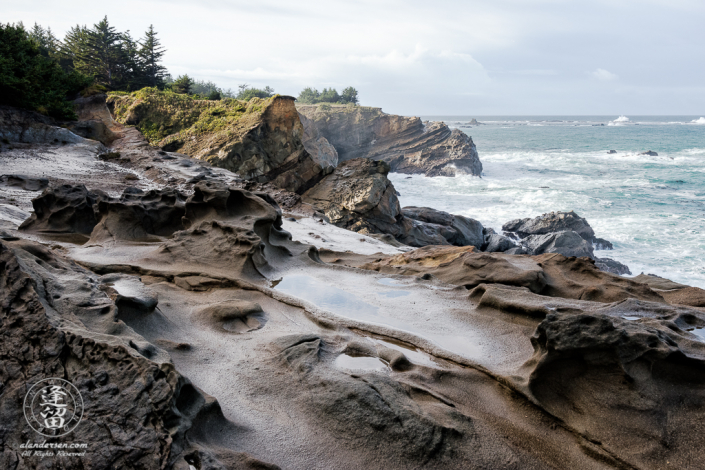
[
  {"x": 101, "y": 55},
  {"x": 73, "y": 45},
  {"x": 131, "y": 70},
  {"x": 48, "y": 44},
  {"x": 182, "y": 85},
  {"x": 308, "y": 95},
  {"x": 329, "y": 96},
  {"x": 29, "y": 79},
  {"x": 151, "y": 53},
  {"x": 349, "y": 95}
]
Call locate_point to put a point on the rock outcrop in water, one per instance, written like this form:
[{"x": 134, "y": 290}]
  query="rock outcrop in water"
[
  {"x": 562, "y": 232},
  {"x": 359, "y": 196},
  {"x": 260, "y": 140},
  {"x": 407, "y": 144}
]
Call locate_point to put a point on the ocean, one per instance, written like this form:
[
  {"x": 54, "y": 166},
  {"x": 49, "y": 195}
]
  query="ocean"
[{"x": 652, "y": 208}]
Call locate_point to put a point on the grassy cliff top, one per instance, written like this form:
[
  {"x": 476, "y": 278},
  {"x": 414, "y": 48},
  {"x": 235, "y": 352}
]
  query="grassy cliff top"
[{"x": 160, "y": 114}]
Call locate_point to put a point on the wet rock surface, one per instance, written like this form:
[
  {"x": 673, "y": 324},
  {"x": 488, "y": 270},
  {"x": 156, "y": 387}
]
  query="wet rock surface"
[
  {"x": 407, "y": 144},
  {"x": 201, "y": 335}
]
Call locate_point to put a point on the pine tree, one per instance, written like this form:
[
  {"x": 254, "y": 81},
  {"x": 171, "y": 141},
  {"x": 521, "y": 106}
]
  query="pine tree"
[
  {"x": 48, "y": 44},
  {"x": 349, "y": 95},
  {"x": 182, "y": 85},
  {"x": 131, "y": 70},
  {"x": 151, "y": 53},
  {"x": 101, "y": 54}
]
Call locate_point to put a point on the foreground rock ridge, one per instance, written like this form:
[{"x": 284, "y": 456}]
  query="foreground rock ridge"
[
  {"x": 407, "y": 144},
  {"x": 201, "y": 333}
]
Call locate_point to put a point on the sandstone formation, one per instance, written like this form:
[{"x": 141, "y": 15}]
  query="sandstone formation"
[
  {"x": 201, "y": 336},
  {"x": 359, "y": 196},
  {"x": 138, "y": 411},
  {"x": 549, "y": 274},
  {"x": 260, "y": 140},
  {"x": 407, "y": 144}
]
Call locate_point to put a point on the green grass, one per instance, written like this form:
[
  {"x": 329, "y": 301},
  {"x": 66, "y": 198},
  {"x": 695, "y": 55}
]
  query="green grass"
[{"x": 164, "y": 114}]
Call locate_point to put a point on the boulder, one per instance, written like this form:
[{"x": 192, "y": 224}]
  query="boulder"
[
  {"x": 609, "y": 265},
  {"x": 567, "y": 243},
  {"x": 612, "y": 152},
  {"x": 456, "y": 229},
  {"x": 498, "y": 243},
  {"x": 549, "y": 223},
  {"x": 318, "y": 146},
  {"x": 649, "y": 153},
  {"x": 602, "y": 244}
]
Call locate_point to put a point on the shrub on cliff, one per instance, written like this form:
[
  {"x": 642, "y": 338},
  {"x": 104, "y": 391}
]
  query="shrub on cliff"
[
  {"x": 246, "y": 93},
  {"x": 32, "y": 80}
]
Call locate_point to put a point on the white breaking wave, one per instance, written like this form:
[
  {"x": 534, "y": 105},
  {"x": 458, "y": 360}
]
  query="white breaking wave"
[
  {"x": 698, "y": 121},
  {"x": 620, "y": 121}
]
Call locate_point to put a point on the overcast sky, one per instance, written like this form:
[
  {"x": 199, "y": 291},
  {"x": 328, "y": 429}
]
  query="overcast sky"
[{"x": 428, "y": 58}]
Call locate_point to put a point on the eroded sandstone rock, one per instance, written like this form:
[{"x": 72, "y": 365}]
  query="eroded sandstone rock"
[
  {"x": 260, "y": 140},
  {"x": 137, "y": 409},
  {"x": 407, "y": 144}
]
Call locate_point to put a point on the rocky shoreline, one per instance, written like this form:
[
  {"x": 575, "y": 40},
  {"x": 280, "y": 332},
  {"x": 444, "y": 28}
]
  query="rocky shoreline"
[{"x": 202, "y": 334}]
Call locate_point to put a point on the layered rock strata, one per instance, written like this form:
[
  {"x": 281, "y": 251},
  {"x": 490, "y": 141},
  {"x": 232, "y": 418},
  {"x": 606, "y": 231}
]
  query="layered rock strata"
[
  {"x": 260, "y": 140},
  {"x": 407, "y": 144}
]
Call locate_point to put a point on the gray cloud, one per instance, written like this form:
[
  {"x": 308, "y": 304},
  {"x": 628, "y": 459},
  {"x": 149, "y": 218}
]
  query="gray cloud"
[{"x": 418, "y": 57}]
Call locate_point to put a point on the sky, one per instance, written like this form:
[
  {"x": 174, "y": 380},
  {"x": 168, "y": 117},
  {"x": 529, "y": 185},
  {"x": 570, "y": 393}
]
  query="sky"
[{"x": 413, "y": 57}]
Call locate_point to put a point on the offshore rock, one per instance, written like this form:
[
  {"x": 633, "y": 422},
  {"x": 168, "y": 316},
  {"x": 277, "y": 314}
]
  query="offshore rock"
[
  {"x": 567, "y": 243},
  {"x": 562, "y": 232},
  {"x": 407, "y": 144},
  {"x": 549, "y": 223},
  {"x": 609, "y": 265}
]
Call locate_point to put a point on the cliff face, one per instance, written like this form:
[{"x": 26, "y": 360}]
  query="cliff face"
[
  {"x": 406, "y": 143},
  {"x": 260, "y": 140}
]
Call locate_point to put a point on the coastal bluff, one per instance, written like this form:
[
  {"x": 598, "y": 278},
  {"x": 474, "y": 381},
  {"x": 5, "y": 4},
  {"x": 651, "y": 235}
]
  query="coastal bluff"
[{"x": 408, "y": 144}]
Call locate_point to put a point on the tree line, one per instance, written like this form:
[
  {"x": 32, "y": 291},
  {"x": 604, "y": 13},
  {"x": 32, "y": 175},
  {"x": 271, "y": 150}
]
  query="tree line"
[
  {"x": 40, "y": 72},
  {"x": 328, "y": 95}
]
